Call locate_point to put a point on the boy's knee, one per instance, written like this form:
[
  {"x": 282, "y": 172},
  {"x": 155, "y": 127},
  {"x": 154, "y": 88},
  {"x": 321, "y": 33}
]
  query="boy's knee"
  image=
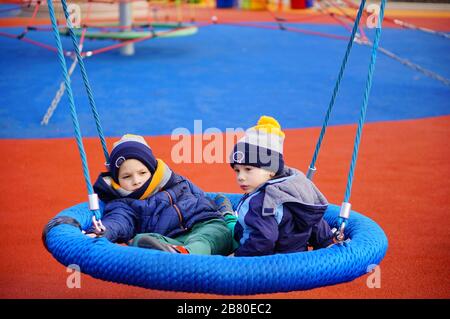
[{"x": 218, "y": 235}]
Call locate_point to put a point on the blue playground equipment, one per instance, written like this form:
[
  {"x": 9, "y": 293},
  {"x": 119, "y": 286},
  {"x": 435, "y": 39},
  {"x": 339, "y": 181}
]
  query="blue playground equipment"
[
  {"x": 362, "y": 245},
  {"x": 215, "y": 274}
]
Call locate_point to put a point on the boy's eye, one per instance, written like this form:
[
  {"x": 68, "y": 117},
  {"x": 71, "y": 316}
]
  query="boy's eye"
[
  {"x": 125, "y": 176},
  {"x": 248, "y": 169},
  {"x": 143, "y": 173}
]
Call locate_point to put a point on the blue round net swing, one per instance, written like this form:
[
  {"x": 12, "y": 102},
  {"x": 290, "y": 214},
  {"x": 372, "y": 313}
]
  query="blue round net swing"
[{"x": 362, "y": 245}]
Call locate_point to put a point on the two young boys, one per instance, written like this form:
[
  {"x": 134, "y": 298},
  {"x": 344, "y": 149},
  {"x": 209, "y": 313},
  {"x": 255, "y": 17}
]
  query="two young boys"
[{"x": 150, "y": 206}]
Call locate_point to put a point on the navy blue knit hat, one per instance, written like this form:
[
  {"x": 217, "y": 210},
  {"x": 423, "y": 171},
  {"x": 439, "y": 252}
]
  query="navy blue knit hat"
[
  {"x": 261, "y": 146},
  {"x": 131, "y": 147}
]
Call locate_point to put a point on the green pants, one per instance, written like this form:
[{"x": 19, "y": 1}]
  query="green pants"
[
  {"x": 231, "y": 221},
  {"x": 211, "y": 237}
]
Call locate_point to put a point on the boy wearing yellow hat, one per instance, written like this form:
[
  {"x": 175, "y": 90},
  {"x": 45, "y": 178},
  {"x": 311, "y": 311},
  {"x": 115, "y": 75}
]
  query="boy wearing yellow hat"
[{"x": 281, "y": 211}]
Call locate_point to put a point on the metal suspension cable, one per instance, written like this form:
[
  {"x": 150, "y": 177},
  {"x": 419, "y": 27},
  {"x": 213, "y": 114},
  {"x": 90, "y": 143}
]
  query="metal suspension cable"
[
  {"x": 312, "y": 167},
  {"x": 407, "y": 63},
  {"x": 59, "y": 94}
]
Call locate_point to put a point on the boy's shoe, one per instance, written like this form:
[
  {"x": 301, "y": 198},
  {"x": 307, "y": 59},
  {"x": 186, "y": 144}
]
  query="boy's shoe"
[
  {"x": 223, "y": 204},
  {"x": 153, "y": 243}
]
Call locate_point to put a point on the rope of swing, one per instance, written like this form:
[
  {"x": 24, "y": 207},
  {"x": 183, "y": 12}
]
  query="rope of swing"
[
  {"x": 73, "y": 111},
  {"x": 344, "y": 213},
  {"x": 86, "y": 81},
  {"x": 346, "y": 206},
  {"x": 62, "y": 88},
  {"x": 363, "y": 112},
  {"x": 312, "y": 167}
]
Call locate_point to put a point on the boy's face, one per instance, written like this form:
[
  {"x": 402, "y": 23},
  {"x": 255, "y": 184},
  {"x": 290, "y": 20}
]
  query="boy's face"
[
  {"x": 133, "y": 174},
  {"x": 250, "y": 178}
]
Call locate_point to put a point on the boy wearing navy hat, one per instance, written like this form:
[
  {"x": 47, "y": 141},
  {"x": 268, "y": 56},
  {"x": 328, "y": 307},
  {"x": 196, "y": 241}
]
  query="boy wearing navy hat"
[
  {"x": 281, "y": 211},
  {"x": 148, "y": 205}
]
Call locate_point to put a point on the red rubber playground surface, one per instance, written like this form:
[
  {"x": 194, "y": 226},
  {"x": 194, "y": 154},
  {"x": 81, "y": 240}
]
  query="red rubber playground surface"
[
  {"x": 401, "y": 182},
  {"x": 404, "y": 188}
]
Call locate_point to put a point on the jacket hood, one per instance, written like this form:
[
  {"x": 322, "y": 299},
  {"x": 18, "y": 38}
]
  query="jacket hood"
[{"x": 292, "y": 189}]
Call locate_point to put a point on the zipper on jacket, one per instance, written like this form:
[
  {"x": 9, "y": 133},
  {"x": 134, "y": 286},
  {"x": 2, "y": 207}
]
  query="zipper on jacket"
[
  {"x": 170, "y": 197},
  {"x": 241, "y": 202},
  {"x": 180, "y": 216}
]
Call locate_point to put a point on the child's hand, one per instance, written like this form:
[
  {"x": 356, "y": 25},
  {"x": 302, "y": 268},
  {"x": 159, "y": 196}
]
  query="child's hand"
[{"x": 92, "y": 234}]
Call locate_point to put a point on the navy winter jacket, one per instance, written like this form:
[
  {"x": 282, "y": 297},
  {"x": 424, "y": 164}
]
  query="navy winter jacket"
[
  {"x": 282, "y": 216},
  {"x": 172, "y": 210}
]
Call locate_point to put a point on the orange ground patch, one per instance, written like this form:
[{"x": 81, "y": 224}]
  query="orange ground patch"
[{"x": 401, "y": 182}]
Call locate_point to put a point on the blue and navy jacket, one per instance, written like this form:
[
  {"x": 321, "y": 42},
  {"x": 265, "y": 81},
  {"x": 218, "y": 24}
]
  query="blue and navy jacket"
[
  {"x": 168, "y": 204},
  {"x": 284, "y": 215}
]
